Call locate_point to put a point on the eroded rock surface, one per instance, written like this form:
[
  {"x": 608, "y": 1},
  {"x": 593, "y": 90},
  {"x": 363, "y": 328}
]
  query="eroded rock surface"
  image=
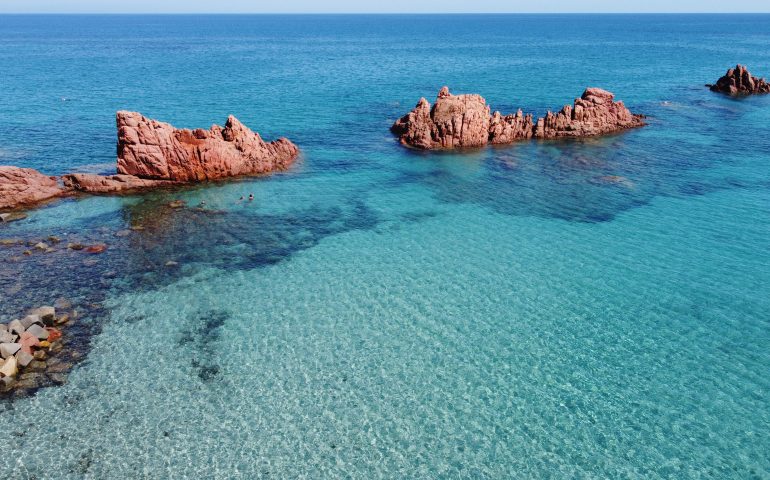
[
  {"x": 594, "y": 113},
  {"x": 111, "y": 183},
  {"x": 457, "y": 121},
  {"x": 739, "y": 81},
  {"x": 24, "y": 187},
  {"x": 155, "y": 150}
]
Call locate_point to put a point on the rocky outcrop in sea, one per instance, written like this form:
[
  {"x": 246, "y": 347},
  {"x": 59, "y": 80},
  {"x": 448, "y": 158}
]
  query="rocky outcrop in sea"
[
  {"x": 154, "y": 154},
  {"x": 457, "y": 121},
  {"x": 739, "y": 81}
]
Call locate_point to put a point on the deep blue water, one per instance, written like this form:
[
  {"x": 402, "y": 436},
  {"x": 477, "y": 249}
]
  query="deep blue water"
[{"x": 382, "y": 313}]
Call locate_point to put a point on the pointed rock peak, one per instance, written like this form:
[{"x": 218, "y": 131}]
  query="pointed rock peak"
[
  {"x": 597, "y": 93},
  {"x": 444, "y": 92}
]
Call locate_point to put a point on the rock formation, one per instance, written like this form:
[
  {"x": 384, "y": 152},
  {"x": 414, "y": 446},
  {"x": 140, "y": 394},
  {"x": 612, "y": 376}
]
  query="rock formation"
[
  {"x": 154, "y": 150},
  {"x": 594, "y": 113},
  {"x": 153, "y": 154},
  {"x": 25, "y": 186},
  {"x": 464, "y": 121},
  {"x": 111, "y": 184},
  {"x": 738, "y": 81},
  {"x": 454, "y": 121}
]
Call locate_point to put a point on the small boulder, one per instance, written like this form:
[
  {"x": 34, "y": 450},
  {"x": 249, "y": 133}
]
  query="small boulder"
[
  {"x": 41, "y": 246},
  {"x": 7, "y": 337},
  {"x": 16, "y": 327},
  {"x": 24, "y": 358},
  {"x": 8, "y": 350},
  {"x": 38, "y": 331},
  {"x": 30, "y": 320},
  {"x": 53, "y": 334},
  {"x": 28, "y": 341},
  {"x": 99, "y": 248},
  {"x": 46, "y": 314},
  {"x": 11, "y": 217},
  {"x": 10, "y": 368}
]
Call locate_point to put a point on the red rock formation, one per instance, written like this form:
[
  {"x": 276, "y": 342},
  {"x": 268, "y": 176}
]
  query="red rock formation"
[
  {"x": 510, "y": 128},
  {"x": 738, "y": 81},
  {"x": 25, "y": 186},
  {"x": 463, "y": 121},
  {"x": 454, "y": 121},
  {"x": 154, "y": 150},
  {"x": 594, "y": 113},
  {"x": 111, "y": 184}
]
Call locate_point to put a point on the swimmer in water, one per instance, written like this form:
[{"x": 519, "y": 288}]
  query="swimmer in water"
[{"x": 251, "y": 196}]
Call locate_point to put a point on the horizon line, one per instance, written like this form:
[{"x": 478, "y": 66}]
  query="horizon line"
[{"x": 389, "y": 13}]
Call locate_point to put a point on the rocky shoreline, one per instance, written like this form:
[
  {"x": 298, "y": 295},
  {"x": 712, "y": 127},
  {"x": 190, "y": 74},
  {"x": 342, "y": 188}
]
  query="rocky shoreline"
[
  {"x": 154, "y": 154},
  {"x": 462, "y": 121}
]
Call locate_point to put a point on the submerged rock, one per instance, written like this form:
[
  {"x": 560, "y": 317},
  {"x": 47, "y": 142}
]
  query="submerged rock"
[
  {"x": 738, "y": 81},
  {"x": 21, "y": 187},
  {"x": 154, "y": 150},
  {"x": 457, "y": 121}
]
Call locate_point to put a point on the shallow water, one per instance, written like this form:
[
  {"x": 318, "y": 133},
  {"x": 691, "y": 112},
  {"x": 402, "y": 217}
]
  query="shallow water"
[{"x": 381, "y": 313}]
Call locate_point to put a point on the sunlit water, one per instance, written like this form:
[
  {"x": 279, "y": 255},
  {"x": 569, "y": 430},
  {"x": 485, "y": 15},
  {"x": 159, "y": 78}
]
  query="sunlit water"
[{"x": 380, "y": 313}]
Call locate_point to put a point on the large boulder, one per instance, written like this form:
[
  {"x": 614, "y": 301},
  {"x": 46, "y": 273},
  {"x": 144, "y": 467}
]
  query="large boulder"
[
  {"x": 594, "y": 113},
  {"x": 738, "y": 81},
  {"x": 20, "y": 187},
  {"x": 454, "y": 121},
  {"x": 155, "y": 150}
]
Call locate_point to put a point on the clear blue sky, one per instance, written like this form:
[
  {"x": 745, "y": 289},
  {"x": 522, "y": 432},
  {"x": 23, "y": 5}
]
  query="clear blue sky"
[{"x": 390, "y": 6}]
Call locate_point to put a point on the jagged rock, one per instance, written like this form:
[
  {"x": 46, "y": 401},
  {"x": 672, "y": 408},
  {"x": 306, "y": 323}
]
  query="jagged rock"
[
  {"x": 8, "y": 350},
  {"x": 594, "y": 113},
  {"x": 24, "y": 186},
  {"x": 111, "y": 184},
  {"x": 464, "y": 121},
  {"x": 10, "y": 367},
  {"x": 510, "y": 128},
  {"x": 455, "y": 121},
  {"x": 155, "y": 150},
  {"x": 28, "y": 340},
  {"x": 738, "y": 81}
]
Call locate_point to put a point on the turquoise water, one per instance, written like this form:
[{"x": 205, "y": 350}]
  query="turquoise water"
[{"x": 381, "y": 313}]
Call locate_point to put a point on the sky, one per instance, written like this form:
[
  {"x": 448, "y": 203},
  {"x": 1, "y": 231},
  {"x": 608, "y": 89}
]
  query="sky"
[{"x": 389, "y": 6}]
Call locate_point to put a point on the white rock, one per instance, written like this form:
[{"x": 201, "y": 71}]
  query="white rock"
[
  {"x": 3, "y": 327},
  {"x": 30, "y": 320},
  {"x": 38, "y": 331},
  {"x": 9, "y": 368},
  {"x": 7, "y": 350},
  {"x": 7, "y": 337},
  {"x": 16, "y": 327},
  {"x": 23, "y": 358}
]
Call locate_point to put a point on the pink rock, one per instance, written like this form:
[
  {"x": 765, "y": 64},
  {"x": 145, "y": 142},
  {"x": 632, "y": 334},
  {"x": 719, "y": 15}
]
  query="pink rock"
[
  {"x": 112, "y": 183},
  {"x": 99, "y": 248},
  {"x": 455, "y": 121},
  {"x": 154, "y": 150},
  {"x": 594, "y": 113},
  {"x": 28, "y": 340},
  {"x": 464, "y": 121},
  {"x": 24, "y": 186},
  {"x": 738, "y": 81}
]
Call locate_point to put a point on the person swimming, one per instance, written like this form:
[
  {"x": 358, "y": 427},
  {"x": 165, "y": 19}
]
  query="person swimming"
[{"x": 251, "y": 196}]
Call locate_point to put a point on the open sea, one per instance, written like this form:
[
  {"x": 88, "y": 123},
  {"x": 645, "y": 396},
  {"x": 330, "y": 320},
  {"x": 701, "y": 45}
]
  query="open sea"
[{"x": 378, "y": 312}]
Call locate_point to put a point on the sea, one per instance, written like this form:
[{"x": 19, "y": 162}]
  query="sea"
[{"x": 594, "y": 308}]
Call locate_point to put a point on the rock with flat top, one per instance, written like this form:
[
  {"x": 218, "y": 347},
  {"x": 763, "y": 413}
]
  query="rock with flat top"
[
  {"x": 10, "y": 367},
  {"x": 29, "y": 320},
  {"x": 24, "y": 358},
  {"x": 16, "y": 327},
  {"x": 8, "y": 337},
  {"x": 104, "y": 184},
  {"x": 47, "y": 314}
]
